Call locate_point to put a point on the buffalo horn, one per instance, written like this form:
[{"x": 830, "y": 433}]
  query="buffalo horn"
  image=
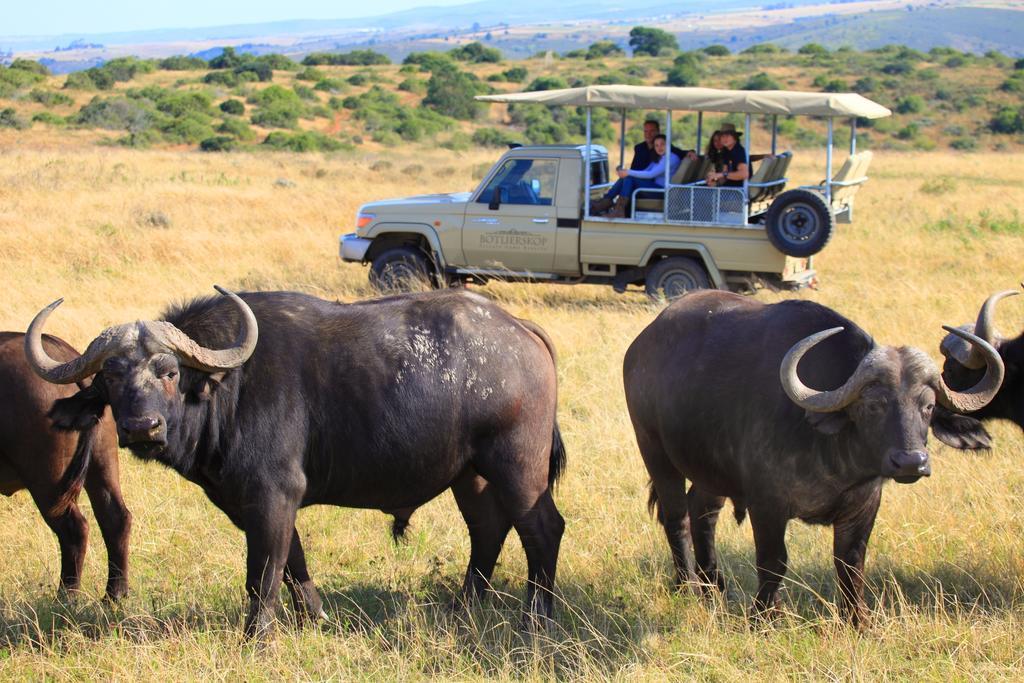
[
  {"x": 978, "y": 396},
  {"x": 824, "y": 401},
  {"x": 967, "y": 354}
]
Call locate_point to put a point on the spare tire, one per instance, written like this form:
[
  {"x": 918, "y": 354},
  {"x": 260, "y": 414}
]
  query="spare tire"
[{"x": 799, "y": 223}]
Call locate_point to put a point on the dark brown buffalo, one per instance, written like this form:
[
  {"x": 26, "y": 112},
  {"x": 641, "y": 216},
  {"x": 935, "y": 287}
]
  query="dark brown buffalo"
[
  {"x": 53, "y": 464},
  {"x": 715, "y": 397},
  {"x": 383, "y": 404},
  {"x": 963, "y": 366}
]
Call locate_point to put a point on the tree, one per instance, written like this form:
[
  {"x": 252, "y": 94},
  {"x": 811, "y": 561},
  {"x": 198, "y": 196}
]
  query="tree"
[
  {"x": 685, "y": 71},
  {"x": 716, "y": 51},
  {"x": 603, "y": 48},
  {"x": 651, "y": 41},
  {"x": 476, "y": 53},
  {"x": 813, "y": 49},
  {"x": 451, "y": 92}
]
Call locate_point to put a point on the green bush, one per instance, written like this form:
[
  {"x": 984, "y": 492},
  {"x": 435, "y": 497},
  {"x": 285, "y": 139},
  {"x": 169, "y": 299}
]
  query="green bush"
[
  {"x": 760, "y": 81},
  {"x": 716, "y": 51},
  {"x": 179, "y": 103},
  {"x": 12, "y": 79},
  {"x": 31, "y": 66},
  {"x": 9, "y": 119},
  {"x": 1014, "y": 84},
  {"x": 685, "y": 71},
  {"x": 237, "y": 128},
  {"x": 310, "y": 74},
  {"x": 49, "y": 118},
  {"x": 383, "y": 115},
  {"x": 458, "y": 142},
  {"x": 183, "y": 63},
  {"x": 450, "y": 92},
  {"x": 429, "y": 61},
  {"x": 964, "y": 144},
  {"x": 547, "y": 83},
  {"x": 190, "y": 128},
  {"x": 49, "y": 98},
  {"x": 304, "y": 141},
  {"x": 218, "y": 143},
  {"x": 866, "y": 84},
  {"x": 229, "y": 79},
  {"x": 279, "y": 107},
  {"x": 476, "y": 53},
  {"x": 603, "y": 48},
  {"x": 331, "y": 85},
  {"x": 234, "y": 107},
  {"x": 763, "y": 49},
  {"x": 357, "y": 79},
  {"x": 491, "y": 137},
  {"x": 413, "y": 85},
  {"x": 118, "y": 113},
  {"x": 305, "y": 92},
  {"x": 1008, "y": 120},
  {"x": 353, "y": 58},
  {"x": 911, "y": 104},
  {"x": 813, "y": 49},
  {"x": 651, "y": 41},
  {"x": 516, "y": 74}
]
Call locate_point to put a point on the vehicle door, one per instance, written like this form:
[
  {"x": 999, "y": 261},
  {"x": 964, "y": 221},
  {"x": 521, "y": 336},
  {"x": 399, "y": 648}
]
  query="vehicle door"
[{"x": 511, "y": 222}]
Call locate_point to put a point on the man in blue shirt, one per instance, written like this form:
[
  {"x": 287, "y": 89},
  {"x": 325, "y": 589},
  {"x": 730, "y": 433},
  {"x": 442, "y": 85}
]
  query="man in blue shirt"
[
  {"x": 630, "y": 180},
  {"x": 735, "y": 169}
]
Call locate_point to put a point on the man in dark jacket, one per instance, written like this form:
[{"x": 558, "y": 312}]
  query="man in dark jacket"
[{"x": 644, "y": 154}]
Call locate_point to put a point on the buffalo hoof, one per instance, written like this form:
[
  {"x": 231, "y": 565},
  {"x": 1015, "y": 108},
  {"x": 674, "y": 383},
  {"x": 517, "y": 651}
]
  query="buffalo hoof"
[{"x": 259, "y": 625}]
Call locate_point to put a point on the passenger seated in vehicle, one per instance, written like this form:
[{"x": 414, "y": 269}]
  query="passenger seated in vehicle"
[
  {"x": 735, "y": 169},
  {"x": 629, "y": 180},
  {"x": 715, "y": 151},
  {"x": 643, "y": 152}
]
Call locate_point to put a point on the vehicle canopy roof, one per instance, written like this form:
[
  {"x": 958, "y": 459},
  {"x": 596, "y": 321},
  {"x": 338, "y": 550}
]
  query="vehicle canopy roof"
[{"x": 786, "y": 102}]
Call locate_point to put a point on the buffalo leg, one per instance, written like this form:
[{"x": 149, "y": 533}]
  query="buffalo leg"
[
  {"x": 102, "y": 483},
  {"x": 669, "y": 488},
  {"x": 770, "y": 546},
  {"x": 305, "y": 598},
  {"x": 488, "y": 526},
  {"x": 850, "y": 544},
  {"x": 540, "y": 530},
  {"x": 72, "y": 533},
  {"x": 269, "y": 528},
  {"x": 703, "y": 510}
]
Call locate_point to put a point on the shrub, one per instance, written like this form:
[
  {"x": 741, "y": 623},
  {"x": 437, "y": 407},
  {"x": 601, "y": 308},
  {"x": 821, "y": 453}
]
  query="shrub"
[
  {"x": 190, "y": 128},
  {"x": 428, "y": 61},
  {"x": 813, "y": 49},
  {"x": 279, "y": 107},
  {"x": 254, "y": 71},
  {"x": 491, "y": 137},
  {"x": 716, "y": 51},
  {"x": 228, "y": 79},
  {"x": 1015, "y": 83},
  {"x": 30, "y": 66},
  {"x": 331, "y": 85},
  {"x": 305, "y": 92},
  {"x": 685, "y": 71},
  {"x": 49, "y": 118},
  {"x": 458, "y": 142},
  {"x": 964, "y": 144},
  {"x": 182, "y": 63},
  {"x": 353, "y": 58},
  {"x": 413, "y": 85},
  {"x": 382, "y": 114},
  {"x": 124, "y": 69},
  {"x": 911, "y": 104},
  {"x": 516, "y": 74},
  {"x": 603, "y": 48},
  {"x": 118, "y": 113},
  {"x": 1008, "y": 120},
  {"x": 15, "y": 79},
  {"x": 49, "y": 98},
  {"x": 547, "y": 83},
  {"x": 237, "y": 128},
  {"x": 897, "y": 68},
  {"x": 234, "y": 107},
  {"x": 357, "y": 79},
  {"x": 310, "y": 74},
  {"x": 762, "y": 49},
  {"x": 651, "y": 41},
  {"x": 866, "y": 84},
  {"x": 476, "y": 53},
  {"x": 218, "y": 143},
  {"x": 9, "y": 119},
  {"x": 178, "y": 103},
  {"x": 908, "y": 132},
  {"x": 304, "y": 141},
  {"x": 450, "y": 92},
  {"x": 760, "y": 81}
]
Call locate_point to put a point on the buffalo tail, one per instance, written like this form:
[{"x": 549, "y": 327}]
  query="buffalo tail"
[
  {"x": 556, "y": 465},
  {"x": 74, "y": 476}
]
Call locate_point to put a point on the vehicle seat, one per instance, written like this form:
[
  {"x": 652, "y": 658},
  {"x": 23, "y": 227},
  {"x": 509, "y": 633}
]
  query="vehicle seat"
[{"x": 654, "y": 200}]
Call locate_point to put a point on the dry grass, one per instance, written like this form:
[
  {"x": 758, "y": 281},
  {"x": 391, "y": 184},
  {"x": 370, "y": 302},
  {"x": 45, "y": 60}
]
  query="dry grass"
[{"x": 946, "y": 567}]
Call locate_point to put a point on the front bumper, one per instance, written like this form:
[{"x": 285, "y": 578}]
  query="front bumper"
[{"x": 352, "y": 247}]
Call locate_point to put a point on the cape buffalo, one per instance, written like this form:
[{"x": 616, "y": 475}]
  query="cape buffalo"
[
  {"x": 54, "y": 464},
  {"x": 963, "y": 366},
  {"x": 383, "y": 404},
  {"x": 704, "y": 394}
]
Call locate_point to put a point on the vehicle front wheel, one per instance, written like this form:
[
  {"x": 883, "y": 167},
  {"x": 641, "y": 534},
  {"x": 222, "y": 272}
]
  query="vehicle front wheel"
[
  {"x": 401, "y": 269},
  {"x": 799, "y": 223},
  {"x": 674, "y": 276}
]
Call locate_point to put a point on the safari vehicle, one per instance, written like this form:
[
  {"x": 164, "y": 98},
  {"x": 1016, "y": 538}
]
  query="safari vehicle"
[{"x": 530, "y": 218}]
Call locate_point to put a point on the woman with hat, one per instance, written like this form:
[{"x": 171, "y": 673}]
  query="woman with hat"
[{"x": 735, "y": 167}]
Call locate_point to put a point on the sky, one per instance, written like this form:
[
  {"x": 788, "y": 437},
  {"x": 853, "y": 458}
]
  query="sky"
[{"x": 58, "y": 17}]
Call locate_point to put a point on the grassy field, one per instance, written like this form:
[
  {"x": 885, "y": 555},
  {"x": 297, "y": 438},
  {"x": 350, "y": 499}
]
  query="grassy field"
[{"x": 120, "y": 233}]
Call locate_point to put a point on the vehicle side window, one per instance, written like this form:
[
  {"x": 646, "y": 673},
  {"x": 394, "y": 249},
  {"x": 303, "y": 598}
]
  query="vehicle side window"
[{"x": 524, "y": 181}]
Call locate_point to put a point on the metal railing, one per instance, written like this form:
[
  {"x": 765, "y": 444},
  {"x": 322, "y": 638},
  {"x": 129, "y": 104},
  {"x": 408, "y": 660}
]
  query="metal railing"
[{"x": 702, "y": 204}]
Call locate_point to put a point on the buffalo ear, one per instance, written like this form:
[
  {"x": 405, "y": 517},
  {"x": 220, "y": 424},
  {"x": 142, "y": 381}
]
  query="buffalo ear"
[
  {"x": 79, "y": 412},
  {"x": 959, "y": 431},
  {"x": 828, "y": 423},
  {"x": 205, "y": 384}
]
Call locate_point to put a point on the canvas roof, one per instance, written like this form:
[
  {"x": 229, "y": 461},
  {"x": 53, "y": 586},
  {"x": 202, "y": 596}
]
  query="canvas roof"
[{"x": 703, "y": 99}]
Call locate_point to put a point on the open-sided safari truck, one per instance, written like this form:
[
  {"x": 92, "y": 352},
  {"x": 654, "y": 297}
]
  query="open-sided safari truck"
[{"x": 530, "y": 218}]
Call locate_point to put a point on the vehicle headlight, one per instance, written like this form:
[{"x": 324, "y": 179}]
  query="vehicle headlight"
[{"x": 363, "y": 219}]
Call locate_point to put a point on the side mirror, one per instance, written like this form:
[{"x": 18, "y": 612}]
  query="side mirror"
[{"x": 495, "y": 200}]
